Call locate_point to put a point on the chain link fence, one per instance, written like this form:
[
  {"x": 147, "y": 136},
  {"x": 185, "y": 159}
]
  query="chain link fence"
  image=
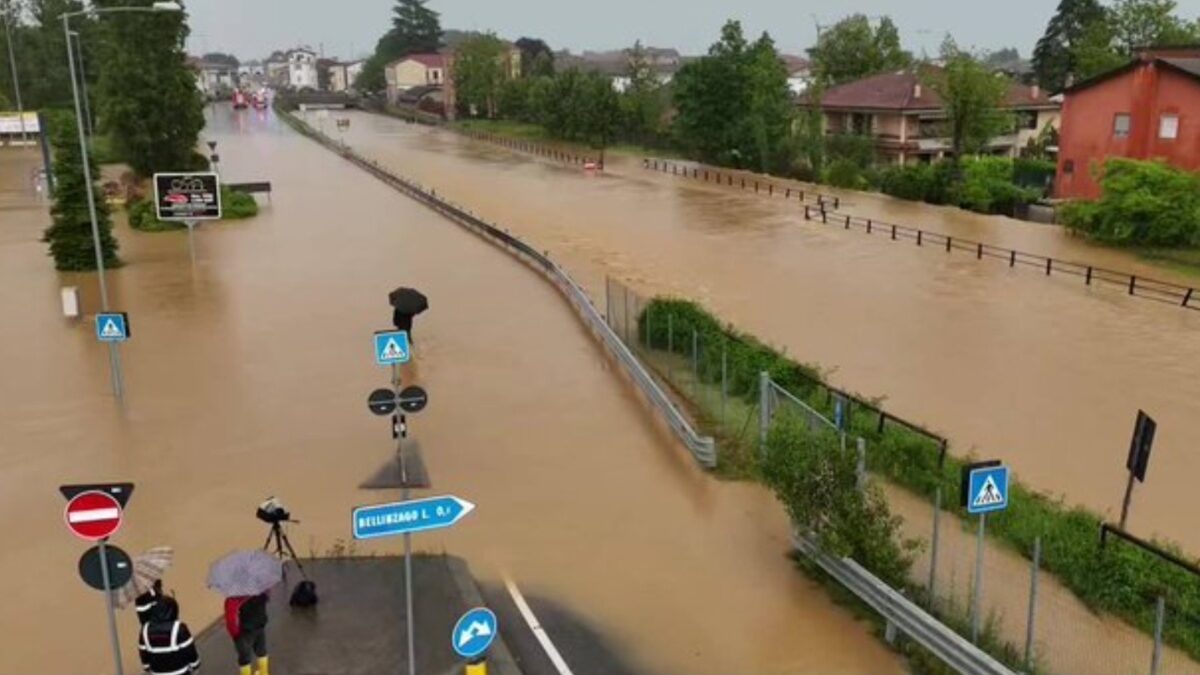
[{"x": 1024, "y": 614}]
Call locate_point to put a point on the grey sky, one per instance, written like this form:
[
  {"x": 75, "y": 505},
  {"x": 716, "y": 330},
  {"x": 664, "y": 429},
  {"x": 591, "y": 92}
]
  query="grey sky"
[{"x": 253, "y": 28}]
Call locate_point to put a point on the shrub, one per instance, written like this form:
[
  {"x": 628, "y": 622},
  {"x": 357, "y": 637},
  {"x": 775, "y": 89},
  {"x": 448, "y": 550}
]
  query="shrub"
[
  {"x": 237, "y": 205},
  {"x": 1143, "y": 203},
  {"x": 856, "y": 148},
  {"x": 234, "y": 206},
  {"x": 987, "y": 186},
  {"x": 844, "y": 173},
  {"x": 1034, "y": 174},
  {"x": 908, "y": 182},
  {"x": 70, "y": 234}
]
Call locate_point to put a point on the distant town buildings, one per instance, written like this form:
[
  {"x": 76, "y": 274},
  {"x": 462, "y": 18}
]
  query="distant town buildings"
[
  {"x": 1149, "y": 108},
  {"x": 342, "y": 75},
  {"x": 906, "y": 120},
  {"x": 302, "y": 69}
]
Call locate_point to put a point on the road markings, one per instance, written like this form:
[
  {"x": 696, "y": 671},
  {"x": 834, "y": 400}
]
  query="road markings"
[{"x": 540, "y": 633}]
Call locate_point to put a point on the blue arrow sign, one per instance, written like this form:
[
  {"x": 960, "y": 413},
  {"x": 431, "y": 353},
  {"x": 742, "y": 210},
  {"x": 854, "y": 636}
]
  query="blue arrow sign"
[
  {"x": 416, "y": 515},
  {"x": 112, "y": 327},
  {"x": 987, "y": 490},
  {"x": 474, "y": 632},
  {"x": 391, "y": 346}
]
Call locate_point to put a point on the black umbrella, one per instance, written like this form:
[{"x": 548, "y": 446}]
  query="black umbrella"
[{"x": 408, "y": 300}]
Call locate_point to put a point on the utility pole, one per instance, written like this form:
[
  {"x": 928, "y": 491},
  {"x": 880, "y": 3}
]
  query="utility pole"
[{"x": 12, "y": 63}]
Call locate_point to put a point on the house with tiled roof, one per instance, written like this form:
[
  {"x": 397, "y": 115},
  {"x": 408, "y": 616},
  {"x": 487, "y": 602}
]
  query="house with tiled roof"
[
  {"x": 1147, "y": 109},
  {"x": 905, "y": 117},
  {"x": 416, "y": 70}
]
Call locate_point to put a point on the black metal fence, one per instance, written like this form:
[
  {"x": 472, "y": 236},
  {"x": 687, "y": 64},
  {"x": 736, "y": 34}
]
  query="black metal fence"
[
  {"x": 759, "y": 185},
  {"x": 566, "y": 156}
]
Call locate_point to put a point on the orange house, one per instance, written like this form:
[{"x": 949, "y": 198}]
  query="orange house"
[{"x": 1147, "y": 109}]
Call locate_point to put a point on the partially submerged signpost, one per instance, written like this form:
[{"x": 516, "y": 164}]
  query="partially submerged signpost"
[
  {"x": 1138, "y": 459},
  {"x": 984, "y": 490},
  {"x": 188, "y": 198}
]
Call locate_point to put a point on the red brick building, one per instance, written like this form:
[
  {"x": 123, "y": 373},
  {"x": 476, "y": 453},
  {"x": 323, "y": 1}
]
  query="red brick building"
[{"x": 1147, "y": 109}]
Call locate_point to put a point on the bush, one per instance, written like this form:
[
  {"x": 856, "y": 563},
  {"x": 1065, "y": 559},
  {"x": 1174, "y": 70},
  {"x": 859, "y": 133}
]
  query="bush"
[
  {"x": 237, "y": 205},
  {"x": 234, "y": 206},
  {"x": 987, "y": 186},
  {"x": 856, "y": 148},
  {"x": 1143, "y": 203},
  {"x": 908, "y": 182},
  {"x": 1034, "y": 174},
  {"x": 843, "y": 173}
]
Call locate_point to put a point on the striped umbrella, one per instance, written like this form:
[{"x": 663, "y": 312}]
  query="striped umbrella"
[
  {"x": 244, "y": 573},
  {"x": 148, "y": 568}
]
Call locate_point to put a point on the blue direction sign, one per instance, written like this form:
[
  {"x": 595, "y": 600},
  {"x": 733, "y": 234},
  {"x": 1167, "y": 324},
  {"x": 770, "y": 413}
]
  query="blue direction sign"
[
  {"x": 987, "y": 489},
  {"x": 391, "y": 346},
  {"x": 474, "y": 632},
  {"x": 416, "y": 515},
  {"x": 112, "y": 327}
]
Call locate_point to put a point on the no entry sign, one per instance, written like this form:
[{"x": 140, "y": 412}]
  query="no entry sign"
[{"x": 93, "y": 515}]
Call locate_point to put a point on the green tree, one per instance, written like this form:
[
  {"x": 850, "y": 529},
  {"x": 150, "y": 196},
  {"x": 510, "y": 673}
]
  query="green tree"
[
  {"x": 480, "y": 74},
  {"x": 733, "y": 105},
  {"x": 852, "y": 49},
  {"x": 972, "y": 98},
  {"x": 1143, "y": 203},
  {"x": 70, "y": 234},
  {"x": 1146, "y": 23},
  {"x": 1053, "y": 57},
  {"x": 536, "y": 58},
  {"x": 40, "y": 51},
  {"x": 1096, "y": 51},
  {"x": 644, "y": 101},
  {"x": 148, "y": 97},
  {"x": 416, "y": 29}
]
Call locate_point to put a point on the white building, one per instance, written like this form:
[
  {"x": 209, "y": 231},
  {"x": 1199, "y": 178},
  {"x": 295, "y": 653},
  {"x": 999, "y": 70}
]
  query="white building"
[
  {"x": 302, "y": 69},
  {"x": 343, "y": 75}
]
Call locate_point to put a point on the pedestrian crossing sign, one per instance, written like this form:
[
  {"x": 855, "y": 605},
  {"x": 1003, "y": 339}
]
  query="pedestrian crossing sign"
[
  {"x": 112, "y": 327},
  {"x": 391, "y": 347},
  {"x": 987, "y": 489}
]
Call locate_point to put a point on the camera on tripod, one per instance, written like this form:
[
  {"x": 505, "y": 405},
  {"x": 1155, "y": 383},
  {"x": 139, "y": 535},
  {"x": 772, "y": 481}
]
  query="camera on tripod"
[{"x": 273, "y": 511}]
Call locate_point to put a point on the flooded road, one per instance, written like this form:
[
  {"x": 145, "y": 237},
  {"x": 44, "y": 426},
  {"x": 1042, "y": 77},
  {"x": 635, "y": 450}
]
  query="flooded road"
[
  {"x": 247, "y": 377},
  {"x": 1044, "y": 373}
]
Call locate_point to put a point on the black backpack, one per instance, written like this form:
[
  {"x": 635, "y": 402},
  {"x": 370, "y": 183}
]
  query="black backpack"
[{"x": 304, "y": 595}]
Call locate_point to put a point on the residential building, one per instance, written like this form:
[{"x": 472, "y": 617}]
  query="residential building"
[
  {"x": 217, "y": 80},
  {"x": 252, "y": 74},
  {"x": 905, "y": 117},
  {"x": 799, "y": 70},
  {"x": 1149, "y": 108},
  {"x": 342, "y": 75},
  {"x": 302, "y": 69},
  {"x": 416, "y": 70}
]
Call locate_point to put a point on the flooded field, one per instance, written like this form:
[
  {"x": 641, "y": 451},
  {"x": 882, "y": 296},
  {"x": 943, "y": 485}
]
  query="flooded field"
[
  {"x": 1043, "y": 373},
  {"x": 247, "y": 376}
]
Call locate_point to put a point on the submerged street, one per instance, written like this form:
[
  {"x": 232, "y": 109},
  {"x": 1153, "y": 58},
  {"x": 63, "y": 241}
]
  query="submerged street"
[{"x": 247, "y": 377}]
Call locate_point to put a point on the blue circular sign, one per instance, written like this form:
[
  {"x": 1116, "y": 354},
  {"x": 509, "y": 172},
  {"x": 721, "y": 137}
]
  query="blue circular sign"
[{"x": 474, "y": 632}]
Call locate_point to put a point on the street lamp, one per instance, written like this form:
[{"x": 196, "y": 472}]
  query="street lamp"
[
  {"x": 12, "y": 62},
  {"x": 114, "y": 356},
  {"x": 87, "y": 106}
]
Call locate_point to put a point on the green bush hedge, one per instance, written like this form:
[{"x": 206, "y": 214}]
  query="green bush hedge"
[
  {"x": 1143, "y": 204},
  {"x": 234, "y": 206},
  {"x": 1119, "y": 579}
]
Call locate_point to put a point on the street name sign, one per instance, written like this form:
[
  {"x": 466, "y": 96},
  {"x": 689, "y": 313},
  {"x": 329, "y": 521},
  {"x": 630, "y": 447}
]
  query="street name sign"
[
  {"x": 987, "y": 490},
  {"x": 391, "y": 347},
  {"x": 187, "y": 196},
  {"x": 93, "y": 515},
  {"x": 415, "y": 515},
  {"x": 112, "y": 327},
  {"x": 474, "y": 632}
]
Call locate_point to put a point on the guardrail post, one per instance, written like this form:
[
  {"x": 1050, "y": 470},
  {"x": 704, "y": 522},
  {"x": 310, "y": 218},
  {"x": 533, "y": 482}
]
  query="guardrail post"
[
  {"x": 893, "y": 233},
  {"x": 764, "y": 410},
  {"x": 807, "y": 215},
  {"x": 801, "y": 192},
  {"x": 948, "y": 240},
  {"x": 670, "y": 346},
  {"x": 847, "y": 222},
  {"x": 1132, "y": 283},
  {"x": 933, "y": 545},
  {"x": 1049, "y": 265},
  {"x": 1160, "y": 611},
  {"x": 1089, "y": 276},
  {"x": 868, "y": 226},
  {"x": 824, "y": 216},
  {"x": 771, "y": 189},
  {"x": 837, "y": 202},
  {"x": 979, "y": 252},
  {"x": 1033, "y": 593},
  {"x": 1187, "y": 297},
  {"x": 889, "y": 632},
  {"x": 608, "y": 301},
  {"x": 724, "y": 376}
]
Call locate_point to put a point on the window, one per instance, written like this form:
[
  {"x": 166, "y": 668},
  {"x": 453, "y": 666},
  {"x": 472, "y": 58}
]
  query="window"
[
  {"x": 1121, "y": 123},
  {"x": 1168, "y": 127},
  {"x": 1069, "y": 167}
]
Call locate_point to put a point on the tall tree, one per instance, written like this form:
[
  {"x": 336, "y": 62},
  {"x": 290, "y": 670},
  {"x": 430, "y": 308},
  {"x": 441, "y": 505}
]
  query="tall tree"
[
  {"x": 536, "y": 58},
  {"x": 148, "y": 96},
  {"x": 644, "y": 101},
  {"x": 480, "y": 74},
  {"x": 70, "y": 234},
  {"x": 1096, "y": 50},
  {"x": 415, "y": 29},
  {"x": 1146, "y": 23},
  {"x": 1053, "y": 57},
  {"x": 972, "y": 98},
  {"x": 733, "y": 104},
  {"x": 852, "y": 49}
]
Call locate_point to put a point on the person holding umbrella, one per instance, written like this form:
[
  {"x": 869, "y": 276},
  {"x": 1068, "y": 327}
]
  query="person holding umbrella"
[
  {"x": 406, "y": 304},
  {"x": 244, "y": 577}
]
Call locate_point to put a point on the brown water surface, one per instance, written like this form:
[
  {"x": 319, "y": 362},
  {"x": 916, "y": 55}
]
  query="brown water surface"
[{"x": 247, "y": 376}]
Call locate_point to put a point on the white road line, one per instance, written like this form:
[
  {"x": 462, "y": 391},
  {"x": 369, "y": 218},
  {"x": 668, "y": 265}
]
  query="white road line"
[{"x": 540, "y": 633}]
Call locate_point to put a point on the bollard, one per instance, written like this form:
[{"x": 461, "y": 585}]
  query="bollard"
[
  {"x": 476, "y": 668},
  {"x": 1187, "y": 298},
  {"x": 771, "y": 189},
  {"x": 824, "y": 216},
  {"x": 1132, "y": 283},
  {"x": 1049, "y": 264},
  {"x": 788, "y": 195},
  {"x": 1089, "y": 276},
  {"x": 807, "y": 215},
  {"x": 1012, "y": 258},
  {"x": 948, "y": 240}
]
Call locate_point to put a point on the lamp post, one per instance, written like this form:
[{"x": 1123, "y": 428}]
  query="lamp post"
[
  {"x": 12, "y": 63},
  {"x": 114, "y": 356},
  {"x": 87, "y": 106}
]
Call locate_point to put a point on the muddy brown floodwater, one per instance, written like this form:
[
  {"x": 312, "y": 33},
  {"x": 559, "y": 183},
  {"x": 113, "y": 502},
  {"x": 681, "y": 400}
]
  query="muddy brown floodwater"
[
  {"x": 247, "y": 377},
  {"x": 1041, "y": 372}
]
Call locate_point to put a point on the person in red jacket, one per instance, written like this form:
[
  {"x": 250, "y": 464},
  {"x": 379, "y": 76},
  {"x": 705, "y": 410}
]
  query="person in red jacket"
[{"x": 246, "y": 621}]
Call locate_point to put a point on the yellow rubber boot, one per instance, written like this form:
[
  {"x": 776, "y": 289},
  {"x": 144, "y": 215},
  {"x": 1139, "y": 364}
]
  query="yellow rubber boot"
[
  {"x": 264, "y": 666},
  {"x": 243, "y": 670}
]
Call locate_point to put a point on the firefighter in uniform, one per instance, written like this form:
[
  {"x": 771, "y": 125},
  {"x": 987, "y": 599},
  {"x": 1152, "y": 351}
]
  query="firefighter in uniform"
[
  {"x": 165, "y": 644},
  {"x": 144, "y": 604}
]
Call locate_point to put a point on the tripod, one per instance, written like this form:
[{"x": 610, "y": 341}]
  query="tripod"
[{"x": 283, "y": 546}]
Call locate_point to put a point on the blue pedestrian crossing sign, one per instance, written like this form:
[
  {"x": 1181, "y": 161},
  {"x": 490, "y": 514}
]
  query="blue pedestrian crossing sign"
[
  {"x": 112, "y": 327},
  {"x": 474, "y": 632},
  {"x": 987, "y": 489},
  {"x": 391, "y": 347}
]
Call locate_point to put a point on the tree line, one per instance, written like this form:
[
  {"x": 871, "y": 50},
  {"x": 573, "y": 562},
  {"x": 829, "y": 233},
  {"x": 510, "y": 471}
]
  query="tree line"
[{"x": 144, "y": 100}]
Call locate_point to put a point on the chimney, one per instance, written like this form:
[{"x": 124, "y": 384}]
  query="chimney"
[
  {"x": 1035, "y": 91},
  {"x": 917, "y": 90}
]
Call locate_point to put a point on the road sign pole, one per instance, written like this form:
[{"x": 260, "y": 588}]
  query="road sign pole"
[
  {"x": 112, "y": 612},
  {"x": 404, "y": 496},
  {"x": 114, "y": 364},
  {"x": 1128, "y": 500},
  {"x": 977, "y": 592}
]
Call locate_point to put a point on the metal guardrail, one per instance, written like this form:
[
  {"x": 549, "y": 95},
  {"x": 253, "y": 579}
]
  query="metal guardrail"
[
  {"x": 702, "y": 448},
  {"x": 912, "y": 621}
]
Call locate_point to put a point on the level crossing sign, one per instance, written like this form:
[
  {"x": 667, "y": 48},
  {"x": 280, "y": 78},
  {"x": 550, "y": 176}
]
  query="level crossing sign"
[
  {"x": 987, "y": 489},
  {"x": 391, "y": 347}
]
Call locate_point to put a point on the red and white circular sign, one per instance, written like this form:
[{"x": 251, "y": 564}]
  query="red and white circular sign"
[{"x": 93, "y": 515}]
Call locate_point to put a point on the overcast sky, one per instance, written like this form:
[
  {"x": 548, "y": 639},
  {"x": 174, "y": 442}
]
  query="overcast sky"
[{"x": 254, "y": 28}]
